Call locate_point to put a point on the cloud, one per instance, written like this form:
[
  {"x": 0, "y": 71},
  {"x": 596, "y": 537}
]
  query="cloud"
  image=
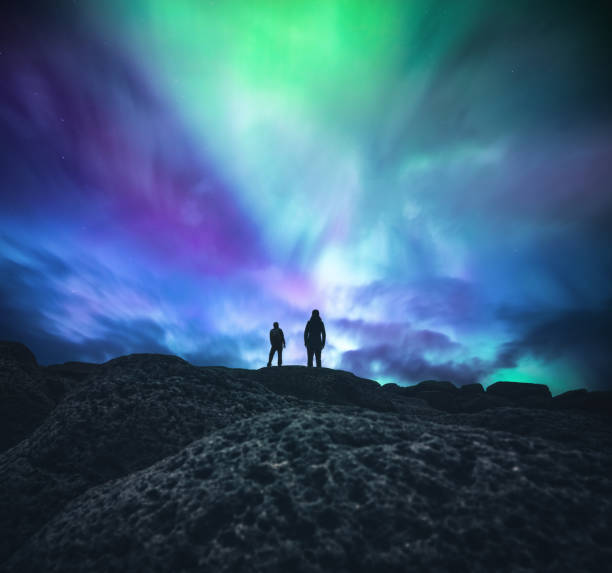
[
  {"x": 410, "y": 365},
  {"x": 405, "y": 353},
  {"x": 402, "y": 335},
  {"x": 28, "y": 297},
  {"x": 91, "y": 309},
  {"x": 436, "y": 300},
  {"x": 582, "y": 337}
]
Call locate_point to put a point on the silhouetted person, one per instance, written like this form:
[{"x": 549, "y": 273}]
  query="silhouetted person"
[
  {"x": 277, "y": 340},
  {"x": 314, "y": 337}
]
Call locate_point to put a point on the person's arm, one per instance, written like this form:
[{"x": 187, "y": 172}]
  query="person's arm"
[
  {"x": 271, "y": 342},
  {"x": 283, "y": 339},
  {"x": 306, "y": 334},
  {"x": 322, "y": 334}
]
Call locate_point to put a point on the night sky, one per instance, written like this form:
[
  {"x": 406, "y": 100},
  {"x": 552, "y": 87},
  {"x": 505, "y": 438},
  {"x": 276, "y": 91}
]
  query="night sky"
[{"x": 434, "y": 177}]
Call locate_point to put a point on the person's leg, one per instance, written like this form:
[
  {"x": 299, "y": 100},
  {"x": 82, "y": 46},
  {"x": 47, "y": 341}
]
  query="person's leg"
[
  {"x": 271, "y": 356},
  {"x": 280, "y": 355},
  {"x": 310, "y": 353},
  {"x": 318, "y": 355}
]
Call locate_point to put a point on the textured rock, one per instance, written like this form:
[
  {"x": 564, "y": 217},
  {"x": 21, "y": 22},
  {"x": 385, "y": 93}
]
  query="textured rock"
[
  {"x": 571, "y": 399},
  {"x": 26, "y": 395},
  {"x": 131, "y": 412},
  {"x": 323, "y": 385},
  {"x": 443, "y": 400},
  {"x": 472, "y": 388},
  {"x": 434, "y": 386},
  {"x": 76, "y": 371},
  {"x": 340, "y": 489},
  {"x": 518, "y": 390},
  {"x": 599, "y": 402},
  {"x": 391, "y": 387},
  {"x": 574, "y": 430},
  {"x": 477, "y": 402},
  {"x": 17, "y": 352},
  {"x": 151, "y": 464}
]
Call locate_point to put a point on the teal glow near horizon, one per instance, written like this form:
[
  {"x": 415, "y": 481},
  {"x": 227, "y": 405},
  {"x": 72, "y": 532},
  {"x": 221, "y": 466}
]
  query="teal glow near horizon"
[{"x": 433, "y": 177}]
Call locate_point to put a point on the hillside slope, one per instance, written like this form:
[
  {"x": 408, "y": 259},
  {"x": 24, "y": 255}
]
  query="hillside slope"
[{"x": 148, "y": 463}]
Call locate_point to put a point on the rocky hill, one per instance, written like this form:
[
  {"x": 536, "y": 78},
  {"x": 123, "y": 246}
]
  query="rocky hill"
[{"x": 147, "y": 463}]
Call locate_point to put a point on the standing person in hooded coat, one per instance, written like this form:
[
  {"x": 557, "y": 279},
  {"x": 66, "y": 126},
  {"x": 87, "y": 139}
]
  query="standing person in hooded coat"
[
  {"x": 277, "y": 340},
  {"x": 314, "y": 337}
]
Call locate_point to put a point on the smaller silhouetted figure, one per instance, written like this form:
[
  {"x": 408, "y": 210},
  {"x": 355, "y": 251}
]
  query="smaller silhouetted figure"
[
  {"x": 277, "y": 340},
  {"x": 314, "y": 337}
]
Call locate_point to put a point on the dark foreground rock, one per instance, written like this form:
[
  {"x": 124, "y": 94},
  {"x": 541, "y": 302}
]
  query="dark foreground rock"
[
  {"x": 152, "y": 464},
  {"x": 27, "y": 394},
  {"x": 518, "y": 390},
  {"x": 131, "y": 412},
  {"x": 472, "y": 388},
  {"x": 340, "y": 490},
  {"x": 598, "y": 401},
  {"x": 473, "y": 397},
  {"x": 76, "y": 371},
  {"x": 334, "y": 387}
]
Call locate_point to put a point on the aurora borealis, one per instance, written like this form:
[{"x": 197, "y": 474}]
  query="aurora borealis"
[{"x": 435, "y": 177}]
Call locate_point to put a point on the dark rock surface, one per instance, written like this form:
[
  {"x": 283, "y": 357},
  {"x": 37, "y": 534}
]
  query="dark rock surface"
[
  {"x": 323, "y": 385},
  {"x": 342, "y": 490},
  {"x": 27, "y": 395},
  {"x": 472, "y": 388},
  {"x": 441, "y": 400},
  {"x": 473, "y": 398},
  {"x": 131, "y": 412},
  {"x": 571, "y": 399},
  {"x": 72, "y": 370},
  {"x": 518, "y": 390},
  {"x": 447, "y": 397},
  {"x": 151, "y": 464},
  {"x": 434, "y": 386},
  {"x": 598, "y": 401}
]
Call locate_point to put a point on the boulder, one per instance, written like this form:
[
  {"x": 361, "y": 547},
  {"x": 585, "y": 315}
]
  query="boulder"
[
  {"x": 441, "y": 400},
  {"x": 599, "y": 402},
  {"x": 26, "y": 396},
  {"x": 484, "y": 401},
  {"x": 131, "y": 412},
  {"x": 76, "y": 371},
  {"x": 323, "y": 385},
  {"x": 518, "y": 390},
  {"x": 434, "y": 386},
  {"x": 18, "y": 353},
  {"x": 472, "y": 388},
  {"x": 391, "y": 387},
  {"x": 571, "y": 399}
]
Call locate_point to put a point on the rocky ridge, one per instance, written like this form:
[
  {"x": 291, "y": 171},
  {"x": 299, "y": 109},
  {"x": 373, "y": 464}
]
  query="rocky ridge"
[{"x": 147, "y": 463}]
